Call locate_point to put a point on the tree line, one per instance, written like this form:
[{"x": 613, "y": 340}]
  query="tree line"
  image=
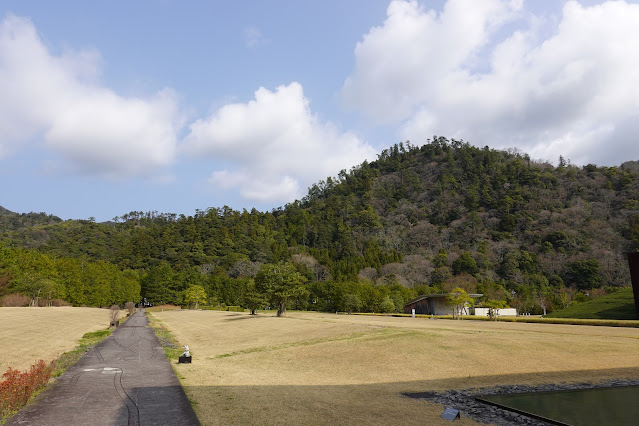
[
  {"x": 46, "y": 281},
  {"x": 417, "y": 219}
]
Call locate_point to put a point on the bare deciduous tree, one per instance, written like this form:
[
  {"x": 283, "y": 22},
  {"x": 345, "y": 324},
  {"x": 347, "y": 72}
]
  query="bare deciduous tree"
[
  {"x": 114, "y": 313},
  {"x": 244, "y": 268}
]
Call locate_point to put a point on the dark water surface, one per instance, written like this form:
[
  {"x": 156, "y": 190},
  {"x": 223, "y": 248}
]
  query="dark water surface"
[{"x": 581, "y": 407}]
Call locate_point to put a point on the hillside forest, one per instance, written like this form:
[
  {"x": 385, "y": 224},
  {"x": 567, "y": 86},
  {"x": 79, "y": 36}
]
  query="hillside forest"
[{"x": 417, "y": 220}]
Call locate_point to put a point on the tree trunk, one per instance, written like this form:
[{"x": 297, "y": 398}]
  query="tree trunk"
[{"x": 281, "y": 308}]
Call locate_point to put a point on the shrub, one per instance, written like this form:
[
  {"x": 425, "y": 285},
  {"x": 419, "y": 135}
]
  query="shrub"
[
  {"x": 17, "y": 386},
  {"x": 115, "y": 311},
  {"x": 15, "y": 300},
  {"x": 235, "y": 308},
  {"x": 43, "y": 303},
  {"x": 130, "y": 306},
  {"x": 387, "y": 306},
  {"x": 352, "y": 303}
]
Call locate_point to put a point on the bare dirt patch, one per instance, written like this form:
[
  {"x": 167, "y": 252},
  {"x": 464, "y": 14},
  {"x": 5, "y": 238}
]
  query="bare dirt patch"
[
  {"x": 313, "y": 368},
  {"x": 30, "y": 334}
]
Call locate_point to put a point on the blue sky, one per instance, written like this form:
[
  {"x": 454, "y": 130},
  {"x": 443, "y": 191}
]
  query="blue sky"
[{"x": 109, "y": 107}]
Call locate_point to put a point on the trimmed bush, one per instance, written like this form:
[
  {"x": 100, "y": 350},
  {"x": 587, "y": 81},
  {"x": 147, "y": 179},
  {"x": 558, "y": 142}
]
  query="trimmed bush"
[{"x": 18, "y": 386}]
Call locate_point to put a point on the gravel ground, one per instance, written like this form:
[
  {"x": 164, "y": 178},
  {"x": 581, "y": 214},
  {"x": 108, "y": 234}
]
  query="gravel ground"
[{"x": 464, "y": 400}]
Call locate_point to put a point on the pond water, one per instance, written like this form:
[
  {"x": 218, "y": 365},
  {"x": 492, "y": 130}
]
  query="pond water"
[{"x": 581, "y": 407}]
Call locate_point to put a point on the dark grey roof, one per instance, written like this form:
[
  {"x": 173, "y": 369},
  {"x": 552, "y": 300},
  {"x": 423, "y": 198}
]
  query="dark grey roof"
[{"x": 439, "y": 296}]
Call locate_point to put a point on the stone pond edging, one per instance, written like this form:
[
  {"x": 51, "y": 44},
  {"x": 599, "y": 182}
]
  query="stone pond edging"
[{"x": 464, "y": 400}]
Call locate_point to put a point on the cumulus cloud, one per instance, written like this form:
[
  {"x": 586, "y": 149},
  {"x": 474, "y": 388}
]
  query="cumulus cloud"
[
  {"x": 275, "y": 145},
  {"x": 572, "y": 92},
  {"x": 57, "y": 100},
  {"x": 400, "y": 63}
]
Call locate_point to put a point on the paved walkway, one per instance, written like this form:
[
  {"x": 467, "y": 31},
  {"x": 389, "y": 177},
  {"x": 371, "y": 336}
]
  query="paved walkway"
[{"x": 125, "y": 380}]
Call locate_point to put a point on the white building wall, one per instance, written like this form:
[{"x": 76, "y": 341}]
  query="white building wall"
[
  {"x": 441, "y": 308},
  {"x": 483, "y": 312}
]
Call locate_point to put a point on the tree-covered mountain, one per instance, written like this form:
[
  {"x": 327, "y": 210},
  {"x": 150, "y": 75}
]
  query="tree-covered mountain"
[
  {"x": 417, "y": 219},
  {"x": 10, "y": 221}
]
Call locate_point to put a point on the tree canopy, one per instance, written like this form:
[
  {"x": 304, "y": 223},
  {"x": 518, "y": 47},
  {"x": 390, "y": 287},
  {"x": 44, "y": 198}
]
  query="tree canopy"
[
  {"x": 415, "y": 220},
  {"x": 280, "y": 283}
]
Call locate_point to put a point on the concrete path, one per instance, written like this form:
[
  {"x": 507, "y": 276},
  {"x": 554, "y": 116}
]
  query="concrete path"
[{"x": 125, "y": 380}]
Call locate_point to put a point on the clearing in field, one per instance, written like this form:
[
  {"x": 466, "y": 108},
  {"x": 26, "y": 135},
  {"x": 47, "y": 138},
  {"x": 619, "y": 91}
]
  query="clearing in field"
[
  {"x": 313, "y": 368},
  {"x": 30, "y": 334}
]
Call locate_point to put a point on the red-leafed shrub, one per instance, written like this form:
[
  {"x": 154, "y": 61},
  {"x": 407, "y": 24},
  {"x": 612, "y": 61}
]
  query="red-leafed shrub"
[{"x": 17, "y": 386}]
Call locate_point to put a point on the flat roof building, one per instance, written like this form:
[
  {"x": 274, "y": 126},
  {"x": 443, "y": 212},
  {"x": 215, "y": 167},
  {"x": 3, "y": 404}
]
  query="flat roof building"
[{"x": 434, "y": 304}]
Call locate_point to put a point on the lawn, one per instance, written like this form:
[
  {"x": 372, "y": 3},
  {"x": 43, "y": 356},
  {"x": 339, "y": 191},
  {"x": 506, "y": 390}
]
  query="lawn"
[
  {"x": 313, "y": 368},
  {"x": 30, "y": 334},
  {"x": 617, "y": 305}
]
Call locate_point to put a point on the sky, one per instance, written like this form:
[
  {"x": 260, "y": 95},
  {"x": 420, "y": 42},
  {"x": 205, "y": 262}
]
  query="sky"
[{"x": 174, "y": 106}]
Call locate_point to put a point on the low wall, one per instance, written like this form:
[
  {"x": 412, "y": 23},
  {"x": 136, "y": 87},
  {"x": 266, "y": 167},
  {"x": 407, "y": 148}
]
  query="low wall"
[{"x": 483, "y": 312}]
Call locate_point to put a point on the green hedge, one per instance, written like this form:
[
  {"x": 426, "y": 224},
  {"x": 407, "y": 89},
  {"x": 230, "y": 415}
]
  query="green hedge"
[{"x": 526, "y": 319}]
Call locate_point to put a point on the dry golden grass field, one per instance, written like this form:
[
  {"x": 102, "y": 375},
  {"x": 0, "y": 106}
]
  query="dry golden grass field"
[
  {"x": 30, "y": 334},
  {"x": 313, "y": 368}
]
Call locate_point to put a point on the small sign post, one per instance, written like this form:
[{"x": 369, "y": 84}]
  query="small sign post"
[{"x": 451, "y": 414}]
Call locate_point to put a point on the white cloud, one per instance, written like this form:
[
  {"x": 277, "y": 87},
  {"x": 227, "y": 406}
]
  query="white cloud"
[
  {"x": 253, "y": 37},
  {"x": 399, "y": 64},
  {"x": 270, "y": 188},
  {"x": 573, "y": 92},
  {"x": 274, "y": 144},
  {"x": 58, "y": 101}
]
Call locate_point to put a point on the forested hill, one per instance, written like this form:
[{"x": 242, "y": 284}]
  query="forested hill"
[
  {"x": 418, "y": 219},
  {"x": 10, "y": 221}
]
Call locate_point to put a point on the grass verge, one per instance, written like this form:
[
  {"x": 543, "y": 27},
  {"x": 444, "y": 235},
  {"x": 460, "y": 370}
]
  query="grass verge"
[
  {"x": 171, "y": 346},
  {"x": 172, "y": 349},
  {"x": 86, "y": 343}
]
